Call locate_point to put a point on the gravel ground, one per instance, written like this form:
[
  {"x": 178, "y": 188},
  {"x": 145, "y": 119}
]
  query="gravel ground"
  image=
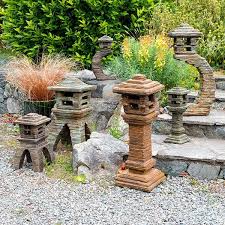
[{"x": 32, "y": 198}]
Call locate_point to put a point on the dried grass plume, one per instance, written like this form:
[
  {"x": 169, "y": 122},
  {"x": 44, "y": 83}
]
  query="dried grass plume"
[{"x": 33, "y": 79}]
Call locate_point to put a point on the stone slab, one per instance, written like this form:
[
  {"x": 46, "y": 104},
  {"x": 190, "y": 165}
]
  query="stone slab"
[
  {"x": 203, "y": 171},
  {"x": 197, "y": 150},
  {"x": 216, "y": 117},
  {"x": 219, "y": 95}
]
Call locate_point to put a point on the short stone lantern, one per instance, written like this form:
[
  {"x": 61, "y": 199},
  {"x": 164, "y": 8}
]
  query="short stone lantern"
[
  {"x": 33, "y": 143},
  {"x": 70, "y": 112},
  {"x": 140, "y": 103},
  {"x": 105, "y": 44},
  {"x": 177, "y": 106},
  {"x": 185, "y": 42}
]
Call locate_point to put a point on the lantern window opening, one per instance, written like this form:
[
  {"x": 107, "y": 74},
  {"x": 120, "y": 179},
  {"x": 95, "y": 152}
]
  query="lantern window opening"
[
  {"x": 136, "y": 97},
  {"x": 134, "y": 106},
  {"x": 84, "y": 103},
  {"x": 85, "y": 97},
  {"x": 68, "y": 94},
  {"x": 70, "y": 103}
]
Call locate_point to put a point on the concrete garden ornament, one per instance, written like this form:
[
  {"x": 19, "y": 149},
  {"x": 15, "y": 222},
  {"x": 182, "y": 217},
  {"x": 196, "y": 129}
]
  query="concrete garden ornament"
[
  {"x": 69, "y": 115},
  {"x": 33, "y": 142},
  {"x": 185, "y": 42},
  {"x": 140, "y": 103},
  {"x": 105, "y": 44},
  {"x": 177, "y": 105}
]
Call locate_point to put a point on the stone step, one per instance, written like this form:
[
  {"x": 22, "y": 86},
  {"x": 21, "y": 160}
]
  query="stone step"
[
  {"x": 220, "y": 80},
  {"x": 201, "y": 157},
  {"x": 219, "y": 101},
  {"x": 211, "y": 126}
]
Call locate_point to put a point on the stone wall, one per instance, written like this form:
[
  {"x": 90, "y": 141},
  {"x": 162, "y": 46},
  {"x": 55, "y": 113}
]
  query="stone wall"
[{"x": 10, "y": 98}]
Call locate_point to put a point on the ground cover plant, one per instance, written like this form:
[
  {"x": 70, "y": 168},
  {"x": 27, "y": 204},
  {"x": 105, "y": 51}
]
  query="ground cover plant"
[
  {"x": 71, "y": 27},
  {"x": 154, "y": 58}
]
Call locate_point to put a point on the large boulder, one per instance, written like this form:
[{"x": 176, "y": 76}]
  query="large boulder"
[{"x": 101, "y": 151}]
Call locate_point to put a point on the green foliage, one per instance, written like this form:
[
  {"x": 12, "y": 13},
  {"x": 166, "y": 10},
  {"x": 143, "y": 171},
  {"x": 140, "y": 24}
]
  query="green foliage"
[
  {"x": 71, "y": 27},
  {"x": 115, "y": 132},
  {"x": 155, "y": 60},
  {"x": 206, "y": 15},
  {"x": 62, "y": 168}
]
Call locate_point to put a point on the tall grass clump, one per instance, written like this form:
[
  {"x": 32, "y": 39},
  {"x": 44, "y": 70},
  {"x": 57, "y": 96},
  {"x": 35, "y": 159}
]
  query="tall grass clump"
[
  {"x": 33, "y": 79},
  {"x": 154, "y": 58}
]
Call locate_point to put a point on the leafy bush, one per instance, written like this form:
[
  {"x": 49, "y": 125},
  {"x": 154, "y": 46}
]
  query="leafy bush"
[
  {"x": 154, "y": 58},
  {"x": 70, "y": 26},
  {"x": 206, "y": 15},
  {"x": 34, "y": 79}
]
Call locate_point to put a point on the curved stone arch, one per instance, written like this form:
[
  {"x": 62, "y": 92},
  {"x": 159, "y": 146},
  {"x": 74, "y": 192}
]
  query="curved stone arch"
[
  {"x": 26, "y": 153},
  {"x": 206, "y": 96},
  {"x": 47, "y": 155},
  {"x": 64, "y": 136}
]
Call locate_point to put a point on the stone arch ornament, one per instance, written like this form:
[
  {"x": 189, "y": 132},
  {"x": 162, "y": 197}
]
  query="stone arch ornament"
[
  {"x": 33, "y": 142},
  {"x": 72, "y": 109},
  {"x": 105, "y": 44},
  {"x": 185, "y": 42}
]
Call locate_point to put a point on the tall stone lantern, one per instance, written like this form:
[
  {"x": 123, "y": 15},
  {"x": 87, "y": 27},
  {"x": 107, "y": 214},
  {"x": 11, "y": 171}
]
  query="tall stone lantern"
[
  {"x": 105, "y": 44},
  {"x": 33, "y": 142},
  {"x": 140, "y": 103},
  {"x": 69, "y": 115},
  {"x": 185, "y": 42},
  {"x": 177, "y": 106}
]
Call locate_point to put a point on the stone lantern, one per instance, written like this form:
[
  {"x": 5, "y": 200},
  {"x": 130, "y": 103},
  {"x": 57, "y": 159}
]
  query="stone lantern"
[
  {"x": 33, "y": 143},
  {"x": 105, "y": 44},
  {"x": 177, "y": 106},
  {"x": 70, "y": 112},
  {"x": 185, "y": 42},
  {"x": 140, "y": 103}
]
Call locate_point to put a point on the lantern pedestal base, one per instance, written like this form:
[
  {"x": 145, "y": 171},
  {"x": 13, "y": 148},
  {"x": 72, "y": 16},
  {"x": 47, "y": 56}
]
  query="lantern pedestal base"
[
  {"x": 177, "y": 139},
  {"x": 144, "y": 182}
]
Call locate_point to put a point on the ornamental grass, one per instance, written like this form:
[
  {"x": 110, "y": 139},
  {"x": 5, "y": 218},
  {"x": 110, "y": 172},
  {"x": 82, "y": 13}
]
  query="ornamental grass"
[{"x": 33, "y": 79}]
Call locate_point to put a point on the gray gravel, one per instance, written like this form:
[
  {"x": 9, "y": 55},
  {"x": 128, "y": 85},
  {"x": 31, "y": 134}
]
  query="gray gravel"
[{"x": 32, "y": 198}]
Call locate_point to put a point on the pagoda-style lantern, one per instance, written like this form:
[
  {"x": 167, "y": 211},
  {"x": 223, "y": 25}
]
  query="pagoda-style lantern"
[
  {"x": 185, "y": 42},
  {"x": 177, "y": 106},
  {"x": 33, "y": 143},
  {"x": 105, "y": 44},
  {"x": 140, "y": 103},
  {"x": 70, "y": 112}
]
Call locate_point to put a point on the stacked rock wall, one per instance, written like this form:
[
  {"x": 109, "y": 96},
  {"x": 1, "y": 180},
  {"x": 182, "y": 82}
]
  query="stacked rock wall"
[{"x": 10, "y": 98}]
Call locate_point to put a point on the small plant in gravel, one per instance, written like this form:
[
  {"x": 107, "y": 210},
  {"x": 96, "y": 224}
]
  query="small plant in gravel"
[
  {"x": 62, "y": 169},
  {"x": 194, "y": 182}
]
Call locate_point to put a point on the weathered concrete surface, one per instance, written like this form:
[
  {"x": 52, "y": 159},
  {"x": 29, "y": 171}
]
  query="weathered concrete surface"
[
  {"x": 211, "y": 126},
  {"x": 201, "y": 158},
  {"x": 198, "y": 149}
]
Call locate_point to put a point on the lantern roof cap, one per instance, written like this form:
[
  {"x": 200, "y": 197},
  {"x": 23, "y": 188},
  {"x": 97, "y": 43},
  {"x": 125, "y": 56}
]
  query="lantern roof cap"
[
  {"x": 72, "y": 84},
  {"x": 138, "y": 85},
  {"x": 32, "y": 119},
  {"x": 105, "y": 38},
  {"x": 178, "y": 91},
  {"x": 185, "y": 30}
]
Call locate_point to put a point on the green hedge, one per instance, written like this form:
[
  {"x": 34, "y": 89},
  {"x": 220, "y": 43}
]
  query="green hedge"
[{"x": 71, "y": 27}]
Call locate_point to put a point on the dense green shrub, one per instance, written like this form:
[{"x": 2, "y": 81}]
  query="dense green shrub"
[
  {"x": 206, "y": 15},
  {"x": 154, "y": 59},
  {"x": 70, "y": 26}
]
